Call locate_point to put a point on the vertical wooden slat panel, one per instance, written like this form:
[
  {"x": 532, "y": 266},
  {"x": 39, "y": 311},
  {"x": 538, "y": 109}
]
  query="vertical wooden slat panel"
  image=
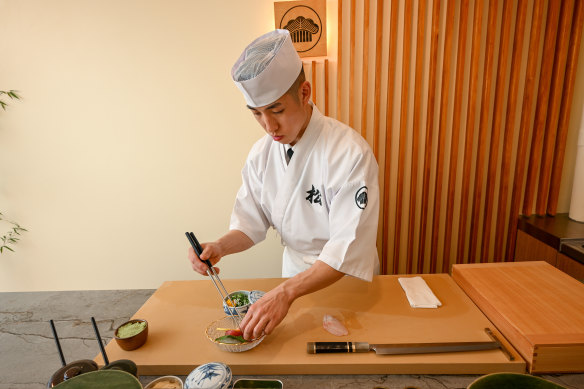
[
  {"x": 509, "y": 130},
  {"x": 442, "y": 130},
  {"x": 496, "y": 126},
  {"x": 541, "y": 107},
  {"x": 365, "y": 81},
  {"x": 456, "y": 117},
  {"x": 416, "y": 126},
  {"x": 568, "y": 92},
  {"x": 377, "y": 93},
  {"x": 326, "y": 87},
  {"x": 484, "y": 204},
  {"x": 388, "y": 126},
  {"x": 470, "y": 124},
  {"x": 483, "y": 122},
  {"x": 557, "y": 83},
  {"x": 429, "y": 132},
  {"x": 530, "y": 72},
  {"x": 352, "y": 67},
  {"x": 339, "y": 58},
  {"x": 403, "y": 125}
]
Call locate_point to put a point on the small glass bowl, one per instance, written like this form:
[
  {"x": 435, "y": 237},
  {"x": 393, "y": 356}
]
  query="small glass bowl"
[{"x": 227, "y": 322}]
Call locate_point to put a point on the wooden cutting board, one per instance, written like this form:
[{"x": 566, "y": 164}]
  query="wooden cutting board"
[
  {"x": 537, "y": 307},
  {"x": 377, "y": 312}
]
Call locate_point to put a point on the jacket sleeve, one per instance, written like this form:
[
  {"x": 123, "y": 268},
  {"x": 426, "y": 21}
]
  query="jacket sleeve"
[
  {"x": 353, "y": 216},
  {"x": 248, "y": 215}
]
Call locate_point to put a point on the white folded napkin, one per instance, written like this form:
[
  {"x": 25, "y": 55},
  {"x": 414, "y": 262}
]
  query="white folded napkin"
[{"x": 419, "y": 293}]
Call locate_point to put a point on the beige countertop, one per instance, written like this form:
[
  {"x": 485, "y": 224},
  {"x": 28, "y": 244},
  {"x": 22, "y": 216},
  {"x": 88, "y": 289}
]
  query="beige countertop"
[{"x": 28, "y": 355}]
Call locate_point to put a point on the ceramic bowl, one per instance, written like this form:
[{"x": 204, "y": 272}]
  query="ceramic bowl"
[
  {"x": 102, "y": 379},
  {"x": 132, "y": 342},
  {"x": 124, "y": 365},
  {"x": 512, "y": 381},
  {"x": 242, "y": 309},
  {"x": 71, "y": 370},
  {"x": 169, "y": 381},
  {"x": 214, "y": 375},
  {"x": 255, "y": 295},
  {"x": 243, "y": 383},
  {"x": 213, "y": 333}
]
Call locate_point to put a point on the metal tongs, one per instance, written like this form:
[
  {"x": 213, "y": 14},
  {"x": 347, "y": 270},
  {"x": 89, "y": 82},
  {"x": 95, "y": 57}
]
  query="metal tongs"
[{"x": 215, "y": 278}]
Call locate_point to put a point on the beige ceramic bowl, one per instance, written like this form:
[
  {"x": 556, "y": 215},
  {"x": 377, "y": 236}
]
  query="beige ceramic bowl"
[
  {"x": 227, "y": 322},
  {"x": 168, "y": 381}
]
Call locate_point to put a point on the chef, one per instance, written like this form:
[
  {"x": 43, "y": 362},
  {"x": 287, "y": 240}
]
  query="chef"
[{"x": 311, "y": 178}]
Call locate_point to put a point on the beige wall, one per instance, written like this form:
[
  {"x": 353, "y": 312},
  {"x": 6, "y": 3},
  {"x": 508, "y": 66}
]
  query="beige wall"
[{"x": 130, "y": 132}]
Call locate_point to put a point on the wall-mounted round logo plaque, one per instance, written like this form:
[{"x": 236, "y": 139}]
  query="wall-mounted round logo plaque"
[{"x": 306, "y": 21}]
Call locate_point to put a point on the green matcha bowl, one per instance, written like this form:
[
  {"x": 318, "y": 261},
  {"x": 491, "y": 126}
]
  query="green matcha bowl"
[
  {"x": 512, "y": 381},
  {"x": 102, "y": 379},
  {"x": 131, "y": 334}
]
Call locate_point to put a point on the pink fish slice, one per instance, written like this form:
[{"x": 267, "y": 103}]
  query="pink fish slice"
[{"x": 334, "y": 326}]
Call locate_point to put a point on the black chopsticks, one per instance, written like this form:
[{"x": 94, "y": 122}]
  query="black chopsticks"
[{"x": 214, "y": 277}]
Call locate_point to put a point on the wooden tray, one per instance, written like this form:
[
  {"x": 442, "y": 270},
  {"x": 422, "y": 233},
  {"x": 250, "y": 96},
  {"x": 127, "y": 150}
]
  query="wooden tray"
[
  {"x": 378, "y": 312},
  {"x": 536, "y": 306}
]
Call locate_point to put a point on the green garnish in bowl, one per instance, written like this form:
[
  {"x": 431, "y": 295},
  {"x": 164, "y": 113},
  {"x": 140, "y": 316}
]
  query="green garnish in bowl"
[
  {"x": 230, "y": 339},
  {"x": 239, "y": 299}
]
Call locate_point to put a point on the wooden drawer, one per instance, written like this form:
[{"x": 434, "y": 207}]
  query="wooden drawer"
[
  {"x": 570, "y": 266},
  {"x": 529, "y": 248}
]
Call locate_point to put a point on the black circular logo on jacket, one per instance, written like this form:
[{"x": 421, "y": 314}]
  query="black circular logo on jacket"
[{"x": 361, "y": 197}]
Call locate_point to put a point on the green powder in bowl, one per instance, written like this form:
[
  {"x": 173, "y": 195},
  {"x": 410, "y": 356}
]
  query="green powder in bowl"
[{"x": 131, "y": 329}]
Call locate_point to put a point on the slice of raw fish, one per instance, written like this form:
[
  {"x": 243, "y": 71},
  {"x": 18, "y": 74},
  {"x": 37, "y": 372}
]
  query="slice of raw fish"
[{"x": 334, "y": 326}]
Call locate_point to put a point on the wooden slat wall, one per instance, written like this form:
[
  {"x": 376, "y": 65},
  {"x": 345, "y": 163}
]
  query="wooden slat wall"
[{"x": 469, "y": 119}]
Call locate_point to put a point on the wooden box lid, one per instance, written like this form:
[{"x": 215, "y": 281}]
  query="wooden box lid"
[{"x": 538, "y": 308}]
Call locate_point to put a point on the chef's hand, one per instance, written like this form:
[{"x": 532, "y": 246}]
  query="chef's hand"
[
  {"x": 265, "y": 314},
  {"x": 234, "y": 241},
  {"x": 211, "y": 252}
]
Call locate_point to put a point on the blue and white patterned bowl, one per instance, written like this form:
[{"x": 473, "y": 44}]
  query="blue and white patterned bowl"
[
  {"x": 255, "y": 295},
  {"x": 214, "y": 375},
  {"x": 242, "y": 309}
]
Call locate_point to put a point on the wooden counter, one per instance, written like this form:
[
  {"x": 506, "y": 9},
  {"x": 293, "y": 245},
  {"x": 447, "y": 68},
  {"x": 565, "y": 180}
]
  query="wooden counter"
[
  {"x": 537, "y": 307},
  {"x": 378, "y": 312}
]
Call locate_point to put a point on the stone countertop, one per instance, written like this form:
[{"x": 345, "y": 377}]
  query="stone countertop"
[{"x": 29, "y": 356}]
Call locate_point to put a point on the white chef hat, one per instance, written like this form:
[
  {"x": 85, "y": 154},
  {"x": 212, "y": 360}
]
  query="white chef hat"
[{"x": 267, "y": 68}]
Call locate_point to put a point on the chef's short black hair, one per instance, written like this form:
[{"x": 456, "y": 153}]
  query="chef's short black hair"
[{"x": 293, "y": 90}]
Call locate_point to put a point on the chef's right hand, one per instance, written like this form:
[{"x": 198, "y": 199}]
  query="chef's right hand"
[{"x": 210, "y": 252}]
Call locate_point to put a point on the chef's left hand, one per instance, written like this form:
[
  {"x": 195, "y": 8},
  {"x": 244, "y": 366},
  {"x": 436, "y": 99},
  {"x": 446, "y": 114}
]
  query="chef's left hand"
[{"x": 265, "y": 314}]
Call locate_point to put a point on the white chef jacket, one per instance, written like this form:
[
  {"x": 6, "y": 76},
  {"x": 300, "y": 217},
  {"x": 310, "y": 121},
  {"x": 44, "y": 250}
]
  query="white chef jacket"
[{"x": 324, "y": 203}]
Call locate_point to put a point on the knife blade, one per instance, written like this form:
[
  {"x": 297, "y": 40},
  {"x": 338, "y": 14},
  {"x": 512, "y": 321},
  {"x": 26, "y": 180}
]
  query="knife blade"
[
  {"x": 404, "y": 348},
  {"x": 397, "y": 348}
]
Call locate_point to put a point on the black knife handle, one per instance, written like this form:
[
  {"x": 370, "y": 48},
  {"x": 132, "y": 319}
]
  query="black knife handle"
[{"x": 336, "y": 347}]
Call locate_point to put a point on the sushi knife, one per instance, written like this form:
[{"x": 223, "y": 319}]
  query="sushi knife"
[{"x": 406, "y": 348}]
